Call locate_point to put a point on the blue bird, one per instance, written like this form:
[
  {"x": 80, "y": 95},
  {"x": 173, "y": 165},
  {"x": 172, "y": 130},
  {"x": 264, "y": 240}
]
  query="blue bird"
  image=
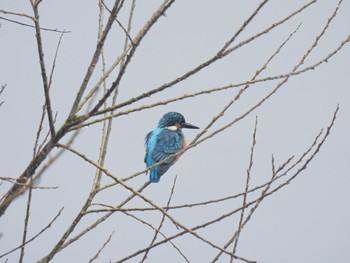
[{"x": 165, "y": 140}]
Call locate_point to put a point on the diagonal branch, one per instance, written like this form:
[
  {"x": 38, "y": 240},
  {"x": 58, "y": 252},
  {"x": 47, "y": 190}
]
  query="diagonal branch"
[
  {"x": 95, "y": 58},
  {"x": 221, "y": 217},
  {"x": 220, "y": 54},
  {"x": 28, "y": 25},
  {"x": 102, "y": 247},
  {"x": 16, "y": 14},
  {"x": 156, "y": 231},
  {"x": 265, "y": 194},
  {"x": 1, "y": 91},
  {"x": 34, "y": 237},
  {"x": 43, "y": 69},
  {"x": 136, "y": 193},
  {"x": 161, "y": 10},
  {"x": 240, "y": 224},
  {"x": 161, "y": 225},
  {"x": 26, "y": 221}
]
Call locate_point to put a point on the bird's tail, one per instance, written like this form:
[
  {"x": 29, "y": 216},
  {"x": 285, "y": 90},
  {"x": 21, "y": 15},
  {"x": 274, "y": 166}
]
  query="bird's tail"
[{"x": 154, "y": 176}]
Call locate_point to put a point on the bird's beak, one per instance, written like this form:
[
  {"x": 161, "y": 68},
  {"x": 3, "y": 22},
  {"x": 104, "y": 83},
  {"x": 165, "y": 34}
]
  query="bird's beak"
[{"x": 189, "y": 126}]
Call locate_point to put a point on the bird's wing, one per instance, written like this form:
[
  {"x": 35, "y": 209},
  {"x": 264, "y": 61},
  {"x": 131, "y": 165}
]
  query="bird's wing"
[
  {"x": 148, "y": 136},
  {"x": 168, "y": 143}
]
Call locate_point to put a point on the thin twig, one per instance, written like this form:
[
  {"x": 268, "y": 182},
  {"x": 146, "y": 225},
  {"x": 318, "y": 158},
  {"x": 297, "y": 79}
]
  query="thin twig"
[
  {"x": 175, "y": 222},
  {"x": 161, "y": 225},
  {"x": 127, "y": 32},
  {"x": 238, "y": 209},
  {"x": 40, "y": 128},
  {"x": 312, "y": 156},
  {"x": 250, "y": 82},
  {"x": 214, "y": 201},
  {"x": 157, "y": 231},
  {"x": 43, "y": 70},
  {"x": 94, "y": 59},
  {"x": 160, "y": 11},
  {"x": 254, "y": 201},
  {"x": 41, "y": 28},
  {"x": 242, "y": 90},
  {"x": 264, "y": 192},
  {"x": 14, "y": 181},
  {"x": 34, "y": 237},
  {"x": 107, "y": 128},
  {"x": 106, "y": 131},
  {"x": 196, "y": 140},
  {"x": 278, "y": 86},
  {"x": 102, "y": 247},
  {"x": 54, "y": 60},
  {"x": 249, "y": 203},
  {"x": 16, "y": 14},
  {"x": 240, "y": 225},
  {"x": 102, "y": 219},
  {"x": 1, "y": 91},
  {"x": 131, "y": 48},
  {"x": 47, "y": 136},
  {"x": 220, "y": 54},
  {"x": 26, "y": 221}
]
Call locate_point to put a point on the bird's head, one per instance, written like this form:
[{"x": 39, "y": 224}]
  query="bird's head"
[{"x": 175, "y": 119}]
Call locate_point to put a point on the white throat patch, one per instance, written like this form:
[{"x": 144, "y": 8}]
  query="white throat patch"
[{"x": 171, "y": 128}]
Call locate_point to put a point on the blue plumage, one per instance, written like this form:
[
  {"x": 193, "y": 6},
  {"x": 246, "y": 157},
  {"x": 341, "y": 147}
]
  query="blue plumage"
[{"x": 167, "y": 139}]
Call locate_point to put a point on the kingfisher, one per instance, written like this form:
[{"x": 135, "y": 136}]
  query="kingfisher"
[{"x": 165, "y": 140}]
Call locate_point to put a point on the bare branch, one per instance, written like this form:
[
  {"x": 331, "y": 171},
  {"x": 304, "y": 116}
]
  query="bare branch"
[
  {"x": 95, "y": 58},
  {"x": 14, "y": 181},
  {"x": 102, "y": 247},
  {"x": 265, "y": 193},
  {"x": 161, "y": 10},
  {"x": 131, "y": 48},
  {"x": 161, "y": 225},
  {"x": 40, "y": 128},
  {"x": 34, "y": 237},
  {"x": 156, "y": 231},
  {"x": 175, "y": 222},
  {"x": 240, "y": 224},
  {"x": 1, "y": 91},
  {"x": 16, "y": 14},
  {"x": 250, "y": 82},
  {"x": 241, "y": 91},
  {"x": 43, "y": 70},
  {"x": 100, "y": 98},
  {"x": 102, "y": 219},
  {"x": 218, "y": 219},
  {"x": 54, "y": 60},
  {"x": 220, "y": 54},
  {"x": 41, "y": 28},
  {"x": 127, "y": 32},
  {"x": 26, "y": 221}
]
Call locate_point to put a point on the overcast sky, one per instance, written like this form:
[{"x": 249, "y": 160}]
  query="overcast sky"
[{"x": 307, "y": 221}]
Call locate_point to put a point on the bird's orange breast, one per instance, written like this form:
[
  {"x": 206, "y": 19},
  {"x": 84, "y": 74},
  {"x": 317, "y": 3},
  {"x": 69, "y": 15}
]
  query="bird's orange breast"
[{"x": 184, "y": 144}]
